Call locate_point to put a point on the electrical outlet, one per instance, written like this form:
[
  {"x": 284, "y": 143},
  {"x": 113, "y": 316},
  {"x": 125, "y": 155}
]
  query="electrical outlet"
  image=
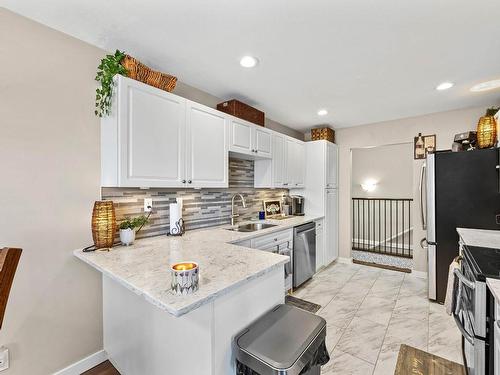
[
  {"x": 148, "y": 204},
  {"x": 4, "y": 358}
]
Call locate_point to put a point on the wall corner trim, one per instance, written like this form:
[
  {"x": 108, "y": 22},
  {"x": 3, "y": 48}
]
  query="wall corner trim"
[
  {"x": 344, "y": 260},
  {"x": 419, "y": 274},
  {"x": 84, "y": 364}
]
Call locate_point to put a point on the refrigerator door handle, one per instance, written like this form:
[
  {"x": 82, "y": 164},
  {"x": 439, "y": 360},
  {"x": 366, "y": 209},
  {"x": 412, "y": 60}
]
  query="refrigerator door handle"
[{"x": 421, "y": 190}]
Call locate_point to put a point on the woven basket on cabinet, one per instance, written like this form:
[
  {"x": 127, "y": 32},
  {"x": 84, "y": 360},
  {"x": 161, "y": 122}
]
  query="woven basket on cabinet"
[
  {"x": 140, "y": 72},
  {"x": 323, "y": 133}
]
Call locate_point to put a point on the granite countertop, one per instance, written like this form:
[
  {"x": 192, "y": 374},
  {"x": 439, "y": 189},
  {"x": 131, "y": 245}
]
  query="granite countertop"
[
  {"x": 480, "y": 237},
  {"x": 144, "y": 267}
]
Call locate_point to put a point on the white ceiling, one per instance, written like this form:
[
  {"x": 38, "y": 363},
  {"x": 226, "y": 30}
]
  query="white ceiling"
[{"x": 364, "y": 60}]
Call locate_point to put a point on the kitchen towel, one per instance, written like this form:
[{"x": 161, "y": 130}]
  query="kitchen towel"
[{"x": 448, "y": 301}]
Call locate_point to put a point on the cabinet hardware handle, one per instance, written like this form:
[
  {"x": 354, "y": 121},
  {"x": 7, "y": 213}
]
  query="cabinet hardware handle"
[
  {"x": 189, "y": 181},
  {"x": 183, "y": 181}
]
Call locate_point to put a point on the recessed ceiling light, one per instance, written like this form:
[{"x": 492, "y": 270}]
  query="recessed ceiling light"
[
  {"x": 322, "y": 112},
  {"x": 485, "y": 86},
  {"x": 444, "y": 86},
  {"x": 248, "y": 61}
]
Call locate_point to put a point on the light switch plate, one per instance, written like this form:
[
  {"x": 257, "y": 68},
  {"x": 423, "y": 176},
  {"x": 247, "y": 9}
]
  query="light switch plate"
[{"x": 148, "y": 204}]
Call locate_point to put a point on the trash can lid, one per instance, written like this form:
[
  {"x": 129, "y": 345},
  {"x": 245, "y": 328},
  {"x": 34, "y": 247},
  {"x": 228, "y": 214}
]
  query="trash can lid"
[{"x": 281, "y": 336}]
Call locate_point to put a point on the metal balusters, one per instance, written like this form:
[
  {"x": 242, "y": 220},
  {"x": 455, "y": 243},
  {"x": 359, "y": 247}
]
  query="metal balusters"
[{"x": 382, "y": 225}]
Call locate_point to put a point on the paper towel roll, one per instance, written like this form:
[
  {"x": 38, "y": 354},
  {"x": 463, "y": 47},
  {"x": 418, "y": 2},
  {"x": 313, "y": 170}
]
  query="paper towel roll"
[
  {"x": 179, "y": 202},
  {"x": 175, "y": 215}
]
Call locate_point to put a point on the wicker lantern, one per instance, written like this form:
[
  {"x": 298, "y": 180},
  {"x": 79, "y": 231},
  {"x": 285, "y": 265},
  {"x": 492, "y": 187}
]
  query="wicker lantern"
[
  {"x": 487, "y": 129},
  {"x": 103, "y": 224}
]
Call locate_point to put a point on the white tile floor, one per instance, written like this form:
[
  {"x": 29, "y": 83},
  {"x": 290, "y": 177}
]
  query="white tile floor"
[{"x": 370, "y": 312}]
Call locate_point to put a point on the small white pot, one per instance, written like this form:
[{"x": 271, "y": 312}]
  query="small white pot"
[{"x": 127, "y": 236}]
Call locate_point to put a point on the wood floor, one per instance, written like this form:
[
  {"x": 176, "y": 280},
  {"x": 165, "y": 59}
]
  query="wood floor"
[{"x": 105, "y": 368}]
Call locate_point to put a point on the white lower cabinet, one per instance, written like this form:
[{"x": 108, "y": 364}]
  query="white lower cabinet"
[
  {"x": 331, "y": 226},
  {"x": 278, "y": 242},
  {"x": 320, "y": 244}
]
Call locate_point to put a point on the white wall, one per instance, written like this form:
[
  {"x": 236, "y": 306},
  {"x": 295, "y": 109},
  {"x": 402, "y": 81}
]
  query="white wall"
[
  {"x": 445, "y": 125},
  {"x": 391, "y": 167}
]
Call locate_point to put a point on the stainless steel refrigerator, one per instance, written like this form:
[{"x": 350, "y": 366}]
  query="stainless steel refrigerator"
[{"x": 457, "y": 189}]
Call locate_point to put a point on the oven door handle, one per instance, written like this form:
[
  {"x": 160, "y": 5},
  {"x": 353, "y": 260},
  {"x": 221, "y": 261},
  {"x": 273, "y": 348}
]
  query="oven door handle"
[
  {"x": 463, "y": 280},
  {"x": 462, "y": 329}
]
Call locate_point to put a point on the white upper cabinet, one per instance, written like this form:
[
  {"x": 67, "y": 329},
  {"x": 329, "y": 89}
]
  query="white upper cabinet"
[
  {"x": 249, "y": 139},
  {"x": 286, "y": 168},
  {"x": 278, "y": 161},
  {"x": 206, "y": 147},
  {"x": 262, "y": 143},
  {"x": 142, "y": 142},
  {"x": 300, "y": 167},
  {"x": 157, "y": 139},
  {"x": 331, "y": 165},
  {"x": 294, "y": 163},
  {"x": 241, "y": 137}
]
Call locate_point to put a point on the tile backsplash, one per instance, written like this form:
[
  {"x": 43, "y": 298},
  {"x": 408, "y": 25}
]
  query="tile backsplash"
[{"x": 201, "y": 208}]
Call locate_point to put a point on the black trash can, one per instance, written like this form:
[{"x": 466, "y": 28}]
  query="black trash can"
[{"x": 285, "y": 341}]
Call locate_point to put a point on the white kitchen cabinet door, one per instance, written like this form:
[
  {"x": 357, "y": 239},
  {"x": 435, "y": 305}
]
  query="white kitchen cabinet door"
[
  {"x": 331, "y": 165},
  {"x": 241, "y": 137},
  {"x": 262, "y": 144},
  {"x": 278, "y": 163},
  {"x": 151, "y": 136},
  {"x": 206, "y": 147},
  {"x": 331, "y": 226},
  {"x": 320, "y": 244},
  {"x": 300, "y": 160},
  {"x": 290, "y": 163}
]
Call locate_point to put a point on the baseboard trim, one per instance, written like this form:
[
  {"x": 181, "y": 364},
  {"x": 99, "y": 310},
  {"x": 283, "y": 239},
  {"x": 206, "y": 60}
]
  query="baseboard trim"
[
  {"x": 344, "y": 260},
  {"x": 419, "y": 274},
  {"x": 84, "y": 364}
]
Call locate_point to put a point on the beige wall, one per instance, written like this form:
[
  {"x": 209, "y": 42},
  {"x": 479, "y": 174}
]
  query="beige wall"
[
  {"x": 49, "y": 152},
  {"x": 445, "y": 125},
  {"x": 209, "y": 100},
  {"x": 391, "y": 167},
  {"x": 50, "y": 168}
]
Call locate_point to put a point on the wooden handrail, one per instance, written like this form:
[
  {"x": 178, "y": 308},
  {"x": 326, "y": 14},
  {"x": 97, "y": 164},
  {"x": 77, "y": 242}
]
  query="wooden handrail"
[{"x": 9, "y": 258}]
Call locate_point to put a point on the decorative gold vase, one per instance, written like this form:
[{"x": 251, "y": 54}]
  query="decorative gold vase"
[{"x": 487, "y": 130}]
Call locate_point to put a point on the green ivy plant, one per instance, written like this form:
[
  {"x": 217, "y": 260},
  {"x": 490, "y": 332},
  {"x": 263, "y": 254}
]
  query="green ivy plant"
[
  {"x": 136, "y": 222},
  {"x": 107, "y": 69}
]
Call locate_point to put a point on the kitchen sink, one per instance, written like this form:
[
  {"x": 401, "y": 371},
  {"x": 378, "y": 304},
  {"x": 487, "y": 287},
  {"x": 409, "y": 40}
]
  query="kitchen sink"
[{"x": 252, "y": 227}]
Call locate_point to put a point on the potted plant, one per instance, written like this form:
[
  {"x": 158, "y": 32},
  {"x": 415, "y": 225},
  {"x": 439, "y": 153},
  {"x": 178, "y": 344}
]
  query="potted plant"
[
  {"x": 107, "y": 69},
  {"x": 128, "y": 229},
  {"x": 127, "y": 66}
]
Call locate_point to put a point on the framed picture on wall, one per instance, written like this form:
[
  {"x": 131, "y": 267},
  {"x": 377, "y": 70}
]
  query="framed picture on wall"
[{"x": 422, "y": 145}]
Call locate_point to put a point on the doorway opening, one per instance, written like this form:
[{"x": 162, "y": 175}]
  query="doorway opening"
[{"x": 382, "y": 206}]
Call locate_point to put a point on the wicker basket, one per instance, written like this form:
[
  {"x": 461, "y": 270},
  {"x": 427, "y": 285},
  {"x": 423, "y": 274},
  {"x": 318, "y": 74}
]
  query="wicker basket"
[
  {"x": 103, "y": 224},
  {"x": 323, "y": 133},
  {"x": 140, "y": 72}
]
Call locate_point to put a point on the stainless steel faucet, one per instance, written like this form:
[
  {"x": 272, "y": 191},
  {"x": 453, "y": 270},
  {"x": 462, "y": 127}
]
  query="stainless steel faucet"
[{"x": 233, "y": 215}]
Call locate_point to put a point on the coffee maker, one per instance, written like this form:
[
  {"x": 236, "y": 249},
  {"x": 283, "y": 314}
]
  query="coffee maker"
[{"x": 297, "y": 205}]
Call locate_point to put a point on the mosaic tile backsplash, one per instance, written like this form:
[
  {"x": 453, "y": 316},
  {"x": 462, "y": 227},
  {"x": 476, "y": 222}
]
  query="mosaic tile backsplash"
[{"x": 201, "y": 208}]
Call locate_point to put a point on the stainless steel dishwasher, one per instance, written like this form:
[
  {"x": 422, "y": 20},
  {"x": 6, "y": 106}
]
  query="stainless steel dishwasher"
[{"x": 304, "y": 253}]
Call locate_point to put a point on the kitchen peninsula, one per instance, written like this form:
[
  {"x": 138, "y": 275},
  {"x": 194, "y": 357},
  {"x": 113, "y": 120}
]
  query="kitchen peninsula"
[{"x": 149, "y": 330}]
